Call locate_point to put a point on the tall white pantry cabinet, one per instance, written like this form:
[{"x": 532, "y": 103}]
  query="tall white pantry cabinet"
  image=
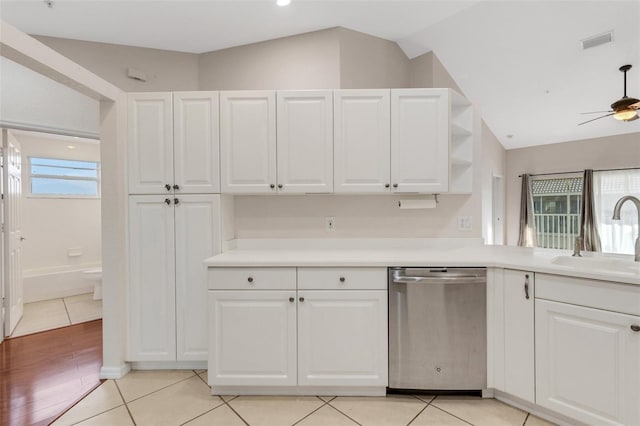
[{"x": 174, "y": 222}]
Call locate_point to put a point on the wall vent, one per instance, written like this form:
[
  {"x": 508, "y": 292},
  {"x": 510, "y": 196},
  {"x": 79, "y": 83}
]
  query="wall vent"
[{"x": 597, "y": 40}]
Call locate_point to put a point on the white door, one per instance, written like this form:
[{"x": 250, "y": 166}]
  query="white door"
[
  {"x": 150, "y": 143},
  {"x": 196, "y": 145},
  {"x": 342, "y": 338},
  {"x": 588, "y": 363},
  {"x": 152, "y": 317},
  {"x": 497, "y": 209},
  {"x": 252, "y": 338},
  {"x": 361, "y": 141},
  {"x": 519, "y": 361},
  {"x": 420, "y": 140},
  {"x": 197, "y": 227},
  {"x": 12, "y": 227},
  {"x": 248, "y": 142},
  {"x": 305, "y": 141}
]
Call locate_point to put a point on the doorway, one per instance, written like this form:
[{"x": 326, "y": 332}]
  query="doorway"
[{"x": 497, "y": 209}]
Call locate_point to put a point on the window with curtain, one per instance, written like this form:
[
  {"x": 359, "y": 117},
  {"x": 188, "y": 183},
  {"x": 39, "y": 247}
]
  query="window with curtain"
[{"x": 609, "y": 186}]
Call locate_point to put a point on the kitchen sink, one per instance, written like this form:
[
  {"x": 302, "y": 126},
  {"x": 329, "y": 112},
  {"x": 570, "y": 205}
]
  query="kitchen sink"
[{"x": 599, "y": 263}]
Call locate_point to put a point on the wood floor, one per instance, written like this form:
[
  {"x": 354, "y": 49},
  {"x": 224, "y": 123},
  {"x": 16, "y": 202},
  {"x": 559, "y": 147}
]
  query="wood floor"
[{"x": 43, "y": 374}]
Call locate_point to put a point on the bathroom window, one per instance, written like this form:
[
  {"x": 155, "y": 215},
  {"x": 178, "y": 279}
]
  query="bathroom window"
[
  {"x": 53, "y": 177},
  {"x": 556, "y": 210}
]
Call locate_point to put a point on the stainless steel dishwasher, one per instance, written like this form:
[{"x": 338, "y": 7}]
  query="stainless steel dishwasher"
[{"x": 437, "y": 328}]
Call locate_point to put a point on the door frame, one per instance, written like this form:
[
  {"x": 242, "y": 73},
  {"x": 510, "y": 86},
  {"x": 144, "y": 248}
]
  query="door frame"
[
  {"x": 497, "y": 209},
  {"x": 31, "y": 53}
]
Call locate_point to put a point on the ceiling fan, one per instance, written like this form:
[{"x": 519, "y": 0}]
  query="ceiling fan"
[{"x": 624, "y": 109}]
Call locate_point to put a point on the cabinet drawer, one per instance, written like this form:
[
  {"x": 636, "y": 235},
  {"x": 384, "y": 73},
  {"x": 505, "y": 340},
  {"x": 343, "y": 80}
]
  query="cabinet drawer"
[
  {"x": 342, "y": 278},
  {"x": 610, "y": 296},
  {"x": 251, "y": 278}
]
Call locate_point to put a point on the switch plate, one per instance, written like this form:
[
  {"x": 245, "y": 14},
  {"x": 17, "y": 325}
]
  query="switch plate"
[
  {"x": 329, "y": 223},
  {"x": 465, "y": 223}
]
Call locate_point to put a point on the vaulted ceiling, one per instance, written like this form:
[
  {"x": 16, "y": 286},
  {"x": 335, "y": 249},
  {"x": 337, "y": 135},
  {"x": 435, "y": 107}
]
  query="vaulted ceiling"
[{"x": 520, "y": 61}]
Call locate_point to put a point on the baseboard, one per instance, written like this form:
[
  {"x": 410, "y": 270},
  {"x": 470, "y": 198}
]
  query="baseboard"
[
  {"x": 535, "y": 409},
  {"x": 169, "y": 365},
  {"x": 53, "y": 284},
  {"x": 117, "y": 372},
  {"x": 301, "y": 390}
]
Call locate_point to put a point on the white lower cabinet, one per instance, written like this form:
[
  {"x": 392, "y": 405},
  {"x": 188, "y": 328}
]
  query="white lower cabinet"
[
  {"x": 342, "y": 338},
  {"x": 588, "y": 363},
  {"x": 268, "y": 329}
]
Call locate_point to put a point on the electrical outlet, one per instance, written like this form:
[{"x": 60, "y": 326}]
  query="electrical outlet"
[
  {"x": 464, "y": 223},
  {"x": 329, "y": 223}
]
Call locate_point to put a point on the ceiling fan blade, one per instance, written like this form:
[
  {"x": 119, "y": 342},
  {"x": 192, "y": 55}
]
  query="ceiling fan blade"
[
  {"x": 635, "y": 106},
  {"x": 634, "y": 118},
  {"x": 598, "y": 118},
  {"x": 596, "y": 112}
]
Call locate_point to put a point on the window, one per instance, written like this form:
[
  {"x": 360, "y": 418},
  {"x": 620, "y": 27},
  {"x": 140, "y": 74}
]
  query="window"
[
  {"x": 556, "y": 211},
  {"x": 56, "y": 177},
  {"x": 608, "y": 188}
]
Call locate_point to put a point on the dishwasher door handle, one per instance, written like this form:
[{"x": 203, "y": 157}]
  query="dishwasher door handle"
[{"x": 459, "y": 279}]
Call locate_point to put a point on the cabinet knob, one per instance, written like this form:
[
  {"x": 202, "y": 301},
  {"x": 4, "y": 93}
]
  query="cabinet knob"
[
  {"x": 176, "y": 187},
  {"x": 635, "y": 327},
  {"x": 395, "y": 185},
  {"x": 167, "y": 201},
  {"x": 280, "y": 185},
  {"x": 250, "y": 279},
  {"x": 176, "y": 201},
  {"x": 386, "y": 185},
  {"x": 291, "y": 299},
  {"x": 272, "y": 186},
  {"x": 168, "y": 187},
  {"x": 342, "y": 279},
  {"x": 301, "y": 299}
]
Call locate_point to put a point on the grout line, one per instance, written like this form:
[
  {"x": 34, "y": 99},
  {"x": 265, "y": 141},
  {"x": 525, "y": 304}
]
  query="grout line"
[
  {"x": 66, "y": 310},
  {"x": 206, "y": 412},
  {"x": 232, "y": 409},
  {"x": 445, "y": 411},
  {"x": 125, "y": 402},
  {"x": 420, "y": 412},
  {"x": 344, "y": 414},
  {"x": 158, "y": 390},
  {"x": 525, "y": 419},
  {"x": 323, "y": 404}
]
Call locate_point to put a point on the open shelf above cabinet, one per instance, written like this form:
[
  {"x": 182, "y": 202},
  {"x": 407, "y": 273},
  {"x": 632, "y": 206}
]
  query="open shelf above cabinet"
[{"x": 461, "y": 144}]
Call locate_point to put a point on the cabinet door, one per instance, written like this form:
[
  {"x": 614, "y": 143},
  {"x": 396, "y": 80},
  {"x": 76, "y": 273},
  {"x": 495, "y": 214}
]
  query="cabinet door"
[
  {"x": 361, "y": 141},
  {"x": 420, "y": 140},
  {"x": 196, "y": 142},
  {"x": 519, "y": 334},
  {"x": 151, "y": 312},
  {"x": 247, "y": 142},
  {"x": 252, "y": 338},
  {"x": 342, "y": 338},
  {"x": 305, "y": 141},
  {"x": 150, "y": 142},
  {"x": 197, "y": 227},
  {"x": 588, "y": 363}
]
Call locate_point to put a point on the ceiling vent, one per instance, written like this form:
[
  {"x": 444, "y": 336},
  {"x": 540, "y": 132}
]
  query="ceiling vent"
[{"x": 597, "y": 40}]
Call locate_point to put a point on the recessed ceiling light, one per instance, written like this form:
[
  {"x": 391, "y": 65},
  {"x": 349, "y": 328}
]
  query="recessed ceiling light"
[
  {"x": 509, "y": 136},
  {"x": 71, "y": 146},
  {"x": 283, "y": 2}
]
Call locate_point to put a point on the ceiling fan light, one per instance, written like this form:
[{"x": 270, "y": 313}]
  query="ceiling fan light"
[{"x": 625, "y": 114}]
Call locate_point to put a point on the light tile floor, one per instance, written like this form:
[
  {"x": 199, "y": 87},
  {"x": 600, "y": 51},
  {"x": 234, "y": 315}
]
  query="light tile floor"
[
  {"x": 55, "y": 313},
  {"x": 183, "y": 398}
]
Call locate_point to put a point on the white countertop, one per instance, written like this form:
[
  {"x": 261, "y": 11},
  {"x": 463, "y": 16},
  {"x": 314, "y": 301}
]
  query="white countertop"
[{"x": 536, "y": 260}]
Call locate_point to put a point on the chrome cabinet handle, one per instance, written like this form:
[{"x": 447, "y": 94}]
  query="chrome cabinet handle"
[
  {"x": 272, "y": 186},
  {"x": 176, "y": 187},
  {"x": 342, "y": 279},
  {"x": 167, "y": 201},
  {"x": 635, "y": 327},
  {"x": 526, "y": 286},
  {"x": 386, "y": 185},
  {"x": 176, "y": 201},
  {"x": 250, "y": 279},
  {"x": 291, "y": 299},
  {"x": 280, "y": 185},
  {"x": 395, "y": 185},
  {"x": 168, "y": 187},
  {"x": 301, "y": 299}
]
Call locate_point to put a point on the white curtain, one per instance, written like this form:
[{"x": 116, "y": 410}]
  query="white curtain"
[{"x": 616, "y": 236}]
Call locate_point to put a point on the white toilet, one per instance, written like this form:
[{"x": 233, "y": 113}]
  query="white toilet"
[{"x": 96, "y": 275}]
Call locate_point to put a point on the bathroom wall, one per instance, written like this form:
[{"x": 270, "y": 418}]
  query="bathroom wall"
[{"x": 53, "y": 226}]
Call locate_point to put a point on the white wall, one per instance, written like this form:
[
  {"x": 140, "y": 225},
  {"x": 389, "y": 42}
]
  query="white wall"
[
  {"x": 598, "y": 153},
  {"x": 31, "y": 100},
  {"x": 304, "y": 61},
  {"x": 494, "y": 162},
  {"x": 166, "y": 70},
  {"x": 52, "y": 226}
]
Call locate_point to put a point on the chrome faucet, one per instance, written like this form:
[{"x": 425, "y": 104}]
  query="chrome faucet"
[
  {"x": 577, "y": 246},
  {"x": 616, "y": 216}
]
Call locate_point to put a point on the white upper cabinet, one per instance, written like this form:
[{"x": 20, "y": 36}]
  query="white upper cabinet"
[
  {"x": 305, "y": 141},
  {"x": 248, "y": 142},
  {"x": 361, "y": 141},
  {"x": 420, "y": 140},
  {"x": 150, "y": 143},
  {"x": 196, "y": 143}
]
